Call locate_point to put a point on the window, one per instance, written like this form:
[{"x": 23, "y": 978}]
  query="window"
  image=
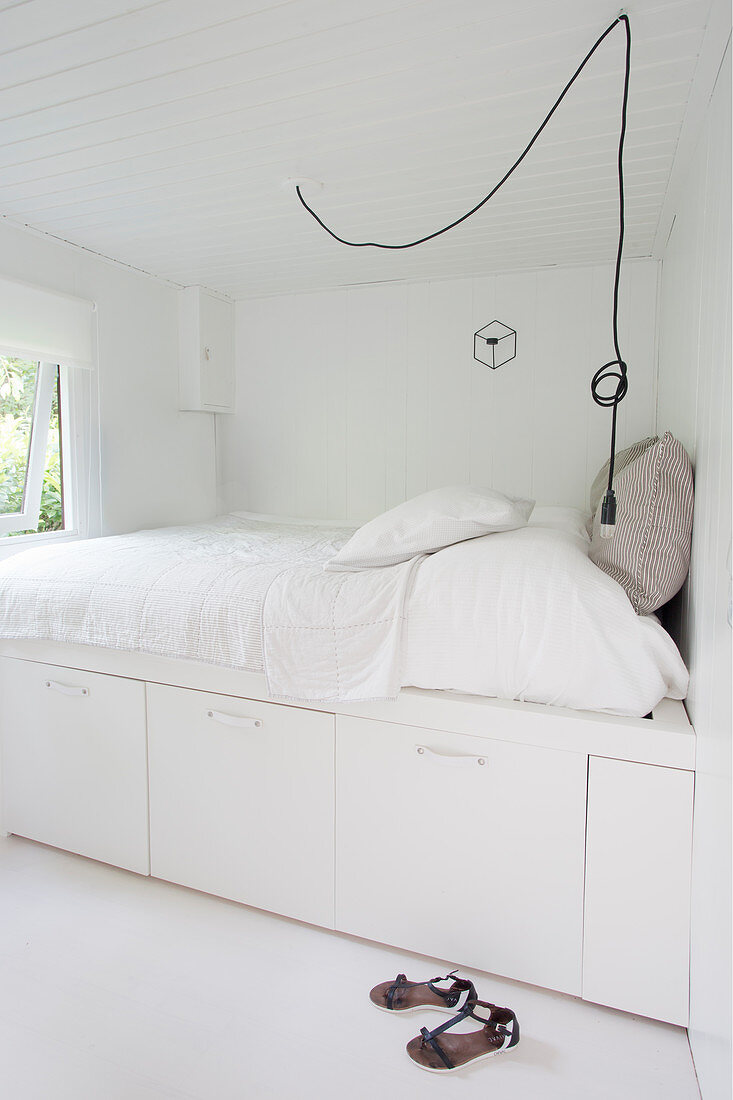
[
  {"x": 49, "y": 427},
  {"x": 37, "y": 486}
]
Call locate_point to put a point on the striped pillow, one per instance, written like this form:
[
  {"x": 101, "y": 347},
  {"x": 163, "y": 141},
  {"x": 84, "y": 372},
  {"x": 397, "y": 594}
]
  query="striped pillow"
[{"x": 649, "y": 553}]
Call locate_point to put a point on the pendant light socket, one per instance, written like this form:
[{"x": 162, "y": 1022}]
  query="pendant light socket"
[{"x": 608, "y": 515}]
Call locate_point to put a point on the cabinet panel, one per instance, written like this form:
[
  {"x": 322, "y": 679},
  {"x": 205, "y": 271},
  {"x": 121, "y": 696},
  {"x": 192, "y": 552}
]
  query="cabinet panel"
[
  {"x": 206, "y": 351},
  {"x": 241, "y": 800},
  {"x": 462, "y": 847},
  {"x": 74, "y": 764},
  {"x": 637, "y": 904}
]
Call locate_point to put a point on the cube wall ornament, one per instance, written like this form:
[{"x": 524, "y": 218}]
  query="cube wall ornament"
[{"x": 495, "y": 344}]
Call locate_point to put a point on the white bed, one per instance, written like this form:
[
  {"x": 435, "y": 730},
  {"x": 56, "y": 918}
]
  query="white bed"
[
  {"x": 137, "y": 729},
  {"x": 518, "y": 615}
]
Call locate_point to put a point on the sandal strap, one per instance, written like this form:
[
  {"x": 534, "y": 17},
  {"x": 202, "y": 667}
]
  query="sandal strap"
[
  {"x": 450, "y": 996},
  {"x": 509, "y": 1031},
  {"x": 508, "y": 1028},
  {"x": 400, "y": 982},
  {"x": 460, "y": 1015},
  {"x": 428, "y": 1039}
]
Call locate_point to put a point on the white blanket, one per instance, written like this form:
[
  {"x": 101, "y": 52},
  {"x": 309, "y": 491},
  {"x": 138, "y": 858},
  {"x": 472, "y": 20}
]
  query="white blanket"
[
  {"x": 193, "y": 592},
  {"x": 518, "y": 615},
  {"x": 335, "y": 637},
  {"x": 527, "y": 615}
]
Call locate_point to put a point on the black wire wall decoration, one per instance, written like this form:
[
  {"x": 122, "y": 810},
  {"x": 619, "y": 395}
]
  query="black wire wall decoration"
[
  {"x": 495, "y": 344},
  {"x": 614, "y": 369}
]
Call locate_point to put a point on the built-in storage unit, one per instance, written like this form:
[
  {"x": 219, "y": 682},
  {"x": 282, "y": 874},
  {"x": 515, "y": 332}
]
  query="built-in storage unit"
[
  {"x": 637, "y": 888},
  {"x": 74, "y": 768},
  {"x": 241, "y": 800},
  {"x": 467, "y": 848},
  {"x": 502, "y": 836},
  {"x": 206, "y": 350}
]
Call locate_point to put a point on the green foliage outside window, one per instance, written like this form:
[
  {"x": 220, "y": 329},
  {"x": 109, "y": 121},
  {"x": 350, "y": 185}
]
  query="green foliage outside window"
[{"x": 17, "y": 394}]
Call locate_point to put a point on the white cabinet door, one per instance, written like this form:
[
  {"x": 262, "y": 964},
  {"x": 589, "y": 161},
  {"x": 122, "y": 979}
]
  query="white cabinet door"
[
  {"x": 241, "y": 800},
  {"x": 461, "y": 847},
  {"x": 637, "y": 901},
  {"x": 206, "y": 351},
  {"x": 74, "y": 766}
]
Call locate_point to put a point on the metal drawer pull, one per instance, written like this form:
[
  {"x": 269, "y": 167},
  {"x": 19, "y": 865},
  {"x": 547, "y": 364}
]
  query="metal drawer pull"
[
  {"x": 66, "y": 689},
  {"x": 233, "y": 719},
  {"x": 448, "y": 760}
]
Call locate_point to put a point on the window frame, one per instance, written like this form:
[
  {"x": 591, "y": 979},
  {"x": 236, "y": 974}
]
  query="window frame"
[
  {"x": 36, "y": 466},
  {"x": 79, "y": 461}
]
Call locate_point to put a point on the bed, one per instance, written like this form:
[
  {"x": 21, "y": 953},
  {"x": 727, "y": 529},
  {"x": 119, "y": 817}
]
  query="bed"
[
  {"x": 520, "y": 614},
  {"x": 212, "y": 706}
]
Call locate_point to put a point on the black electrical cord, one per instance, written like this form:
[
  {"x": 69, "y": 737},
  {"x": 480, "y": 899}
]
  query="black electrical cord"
[{"x": 615, "y": 368}]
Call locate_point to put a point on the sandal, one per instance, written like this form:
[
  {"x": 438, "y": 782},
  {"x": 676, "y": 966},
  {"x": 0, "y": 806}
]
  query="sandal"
[
  {"x": 403, "y": 996},
  {"x": 500, "y": 1032}
]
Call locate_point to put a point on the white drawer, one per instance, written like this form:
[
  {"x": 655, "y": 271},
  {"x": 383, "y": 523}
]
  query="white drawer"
[
  {"x": 74, "y": 764},
  {"x": 464, "y": 848},
  {"x": 241, "y": 800}
]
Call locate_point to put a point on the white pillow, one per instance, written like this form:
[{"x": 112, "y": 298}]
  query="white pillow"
[
  {"x": 570, "y": 520},
  {"x": 428, "y": 523}
]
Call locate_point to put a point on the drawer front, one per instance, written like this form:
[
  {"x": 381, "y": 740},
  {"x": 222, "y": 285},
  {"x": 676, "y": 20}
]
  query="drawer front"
[
  {"x": 74, "y": 767},
  {"x": 637, "y": 901},
  {"x": 464, "y": 848},
  {"x": 241, "y": 800}
]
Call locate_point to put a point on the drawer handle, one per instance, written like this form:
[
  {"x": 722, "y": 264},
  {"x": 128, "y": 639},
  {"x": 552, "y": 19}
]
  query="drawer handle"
[
  {"x": 233, "y": 719},
  {"x": 66, "y": 689},
  {"x": 448, "y": 760}
]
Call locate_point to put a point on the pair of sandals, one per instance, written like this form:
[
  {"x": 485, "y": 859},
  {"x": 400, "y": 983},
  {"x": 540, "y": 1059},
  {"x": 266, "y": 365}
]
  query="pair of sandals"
[{"x": 438, "y": 1051}]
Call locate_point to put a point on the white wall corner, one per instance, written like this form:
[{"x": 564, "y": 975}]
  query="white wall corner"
[{"x": 716, "y": 42}]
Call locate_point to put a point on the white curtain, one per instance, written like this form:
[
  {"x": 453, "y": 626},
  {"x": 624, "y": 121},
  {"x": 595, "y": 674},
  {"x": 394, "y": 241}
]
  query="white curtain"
[{"x": 45, "y": 325}]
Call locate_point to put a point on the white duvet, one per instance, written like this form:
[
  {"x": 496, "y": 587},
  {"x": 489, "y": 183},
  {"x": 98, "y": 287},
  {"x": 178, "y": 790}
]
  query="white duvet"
[
  {"x": 527, "y": 615},
  {"x": 519, "y": 615}
]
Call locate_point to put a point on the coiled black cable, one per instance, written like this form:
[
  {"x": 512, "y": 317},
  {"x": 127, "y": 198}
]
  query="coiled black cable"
[{"x": 615, "y": 368}]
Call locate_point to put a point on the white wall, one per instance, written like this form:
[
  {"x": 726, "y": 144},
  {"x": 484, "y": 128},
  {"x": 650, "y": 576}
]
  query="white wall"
[
  {"x": 351, "y": 401},
  {"x": 157, "y": 464},
  {"x": 695, "y": 403}
]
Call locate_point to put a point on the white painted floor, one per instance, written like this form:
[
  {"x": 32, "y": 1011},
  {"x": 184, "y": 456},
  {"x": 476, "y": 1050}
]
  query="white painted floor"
[{"x": 116, "y": 987}]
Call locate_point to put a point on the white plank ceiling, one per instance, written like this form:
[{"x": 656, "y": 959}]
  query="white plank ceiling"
[{"x": 159, "y": 133}]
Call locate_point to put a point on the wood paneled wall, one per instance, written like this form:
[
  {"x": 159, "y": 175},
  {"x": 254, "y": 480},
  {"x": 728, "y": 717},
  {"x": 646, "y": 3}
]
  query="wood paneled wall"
[
  {"x": 351, "y": 401},
  {"x": 695, "y": 403}
]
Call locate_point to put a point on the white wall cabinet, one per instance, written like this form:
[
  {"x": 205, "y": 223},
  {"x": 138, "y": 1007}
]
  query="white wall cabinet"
[
  {"x": 206, "y": 349},
  {"x": 637, "y": 901},
  {"x": 463, "y": 847},
  {"x": 241, "y": 800},
  {"x": 468, "y": 844},
  {"x": 74, "y": 765}
]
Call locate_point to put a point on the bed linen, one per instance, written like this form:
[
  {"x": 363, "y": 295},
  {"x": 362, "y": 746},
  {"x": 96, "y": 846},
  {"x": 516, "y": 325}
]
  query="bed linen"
[
  {"x": 560, "y": 630},
  {"x": 428, "y": 523},
  {"x": 194, "y": 592},
  {"x": 520, "y": 615}
]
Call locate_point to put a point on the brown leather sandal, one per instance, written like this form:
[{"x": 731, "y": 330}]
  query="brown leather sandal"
[
  {"x": 403, "y": 996},
  {"x": 439, "y": 1052}
]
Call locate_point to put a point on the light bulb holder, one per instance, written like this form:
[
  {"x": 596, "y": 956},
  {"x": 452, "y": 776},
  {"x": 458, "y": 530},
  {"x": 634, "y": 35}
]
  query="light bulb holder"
[{"x": 608, "y": 514}]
